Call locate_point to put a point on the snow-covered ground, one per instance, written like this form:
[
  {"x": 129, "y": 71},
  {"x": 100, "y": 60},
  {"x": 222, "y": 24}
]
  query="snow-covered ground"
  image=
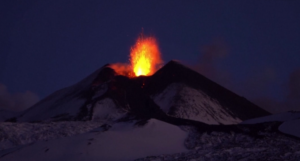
[
  {"x": 181, "y": 101},
  {"x": 15, "y": 134},
  {"x": 290, "y": 125},
  {"x": 219, "y": 146},
  {"x": 122, "y": 142},
  {"x": 154, "y": 141}
]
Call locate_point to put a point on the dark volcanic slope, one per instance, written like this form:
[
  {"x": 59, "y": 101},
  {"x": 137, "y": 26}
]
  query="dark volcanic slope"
[
  {"x": 104, "y": 89},
  {"x": 174, "y": 72}
]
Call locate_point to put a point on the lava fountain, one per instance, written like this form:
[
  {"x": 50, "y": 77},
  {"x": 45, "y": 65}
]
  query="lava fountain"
[{"x": 145, "y": 58}]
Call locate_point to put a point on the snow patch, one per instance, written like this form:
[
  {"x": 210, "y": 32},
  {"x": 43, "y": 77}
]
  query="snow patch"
[
  {"x": 106, "y": 110},
  {"x": 181, "y": 101},
  {"x": 291, "y": 127},
  {"x": 165, "y": 99}
]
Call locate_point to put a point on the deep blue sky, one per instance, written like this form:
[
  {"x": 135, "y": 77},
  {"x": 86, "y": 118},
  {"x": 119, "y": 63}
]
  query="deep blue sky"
[{"x": 47, "y": 45}]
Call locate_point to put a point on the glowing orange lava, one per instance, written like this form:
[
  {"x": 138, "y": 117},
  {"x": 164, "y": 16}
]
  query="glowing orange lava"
[{"x": 145, "y": 56}]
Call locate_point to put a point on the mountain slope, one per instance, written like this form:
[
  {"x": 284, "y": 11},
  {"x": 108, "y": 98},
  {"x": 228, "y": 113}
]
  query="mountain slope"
[
  {"x": 179, "y": 100},
  {"x": 62, "y": 104},
  {"x": 5, "y": 115},
  {"x": 191, "y": 83},
  {"x": 175, "y": 114},
  {"x": 174, "y": 90}
]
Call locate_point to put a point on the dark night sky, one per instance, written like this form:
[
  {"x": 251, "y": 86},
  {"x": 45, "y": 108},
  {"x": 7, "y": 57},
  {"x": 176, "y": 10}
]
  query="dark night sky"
[{"x": 250, "y": 47}]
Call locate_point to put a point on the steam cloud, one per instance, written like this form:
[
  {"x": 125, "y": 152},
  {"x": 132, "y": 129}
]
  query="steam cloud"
[{"x": 17, "y": 101}]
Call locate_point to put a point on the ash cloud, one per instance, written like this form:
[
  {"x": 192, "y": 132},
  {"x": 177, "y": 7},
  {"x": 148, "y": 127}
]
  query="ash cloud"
[
  {"x": 17, "y": 101},
  {"x": 254, "y": 87},
  {"x": 206, "y": 64},
  {"x": 211, "y": 52}
]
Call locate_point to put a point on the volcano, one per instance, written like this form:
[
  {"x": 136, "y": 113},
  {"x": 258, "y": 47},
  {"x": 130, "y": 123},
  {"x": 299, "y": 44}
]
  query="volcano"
[
  {"x": 174, "y": 114},
  {"x": 174, "y": 91}
]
